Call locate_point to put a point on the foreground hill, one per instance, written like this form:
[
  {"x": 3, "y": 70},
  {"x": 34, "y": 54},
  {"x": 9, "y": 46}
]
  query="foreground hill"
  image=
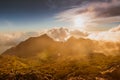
[{"x": 93, "y": 67}]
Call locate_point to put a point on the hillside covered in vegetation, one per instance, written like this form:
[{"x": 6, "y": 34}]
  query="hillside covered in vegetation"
[{"x": 41, "y": 58}]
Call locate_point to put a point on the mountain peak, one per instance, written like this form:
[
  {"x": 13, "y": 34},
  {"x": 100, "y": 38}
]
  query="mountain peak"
[
  {"x": 44, "y": 36},
  {"x": 59, "y": 34},
  {"x": 30, "y": 46}
]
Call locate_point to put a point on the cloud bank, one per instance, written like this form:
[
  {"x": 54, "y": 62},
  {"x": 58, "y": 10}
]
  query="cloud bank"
[
  {"x": 8, "y": 40},
  {"x": 112, "y": 35}
]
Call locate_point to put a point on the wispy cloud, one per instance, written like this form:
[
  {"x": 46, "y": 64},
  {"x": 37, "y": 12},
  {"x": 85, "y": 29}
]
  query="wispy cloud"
[
  {"x": 115, "y": 29},
  {"x": 93, "y": 13}
]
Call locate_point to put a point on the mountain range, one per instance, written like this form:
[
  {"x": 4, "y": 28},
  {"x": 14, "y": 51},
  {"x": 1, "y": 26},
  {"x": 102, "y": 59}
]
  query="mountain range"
[
  {"x": 58, "y": 55},
  {"x": 60, "y": 41}
]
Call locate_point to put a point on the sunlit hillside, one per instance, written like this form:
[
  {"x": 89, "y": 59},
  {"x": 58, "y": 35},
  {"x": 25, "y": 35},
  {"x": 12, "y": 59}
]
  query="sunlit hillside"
[
  {"x": 42, "y": 58},
  {"x": 59, "y": 39}
]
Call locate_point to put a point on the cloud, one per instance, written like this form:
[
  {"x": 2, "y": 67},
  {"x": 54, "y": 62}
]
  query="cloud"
[
  {"x": 105, "y": 36},
  {"x": 78, "y": 33},
  {"x": 95, "y": 9},
  {"x": 116, "y": 29},
  {"x": 63, "y": 34},
  {"x": 106, "y": 20},
  {"x": 106, "y": 9},
  {"x": 93, "y": 13},
  {"x": 112, "y": 35},
  {"x": 7, "y": 38},
  {"x": 65, "y": 4},
  {"x": 59, "y": 34}
]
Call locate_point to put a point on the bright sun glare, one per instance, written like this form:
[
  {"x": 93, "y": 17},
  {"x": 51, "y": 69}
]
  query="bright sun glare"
[{"x": 79, "y": 21}]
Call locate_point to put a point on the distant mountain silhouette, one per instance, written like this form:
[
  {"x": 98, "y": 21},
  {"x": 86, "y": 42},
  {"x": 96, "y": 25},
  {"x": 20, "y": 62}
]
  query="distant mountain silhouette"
[{"x": 34, "y": 46}]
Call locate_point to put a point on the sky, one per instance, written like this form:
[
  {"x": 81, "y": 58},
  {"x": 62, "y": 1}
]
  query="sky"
[
  {"x": 32, "y": 15},
  {"x": 26, "y": 15},
  {"x": 93, "y": 19}
]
